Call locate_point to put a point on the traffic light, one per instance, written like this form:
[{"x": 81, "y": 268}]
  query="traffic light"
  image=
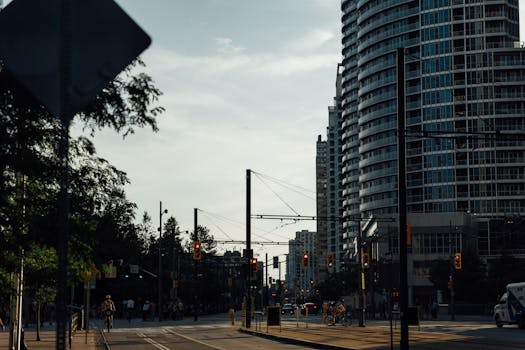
[
  {"x": 196, "y": 250},
  {"x": 275, "y": 262},
  {"x": 457, "y": 261},
  {"x": 254, "y": 265},
  {"x": 330, "y": 260},
  {"x": 366, "y": 261},
  {"x": 305, "y": 260}
]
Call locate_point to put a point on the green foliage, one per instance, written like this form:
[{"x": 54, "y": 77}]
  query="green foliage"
[
  {"x": 101, "y": 218},
  {"x": 339, "y": 284}
]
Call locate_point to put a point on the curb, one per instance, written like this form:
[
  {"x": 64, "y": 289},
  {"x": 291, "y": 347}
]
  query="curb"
[{"x": 293, "y": 341}]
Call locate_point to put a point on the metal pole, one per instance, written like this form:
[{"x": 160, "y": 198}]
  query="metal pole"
[
  {"x": 248, "y": 248},
  {"x": 159, "y": 306},
  {"x": 87, "y": 285},
  {"x": 362, "y": 294},
  {"x": 196, "y": 278},
  {"x": 63, "y": 156},
  {"x": 20, "y": 290},
  {"x": 267, "y": 284},
  {"x": 402, "y": 200}
]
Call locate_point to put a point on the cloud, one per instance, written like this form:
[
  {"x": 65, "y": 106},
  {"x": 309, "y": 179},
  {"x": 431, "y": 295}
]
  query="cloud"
[
  {"x": 312, "y": 40},
  {"x": 327, "y": 3},
  {"x": 164, "y": 61},
  {"x": 225, "y": 46}
]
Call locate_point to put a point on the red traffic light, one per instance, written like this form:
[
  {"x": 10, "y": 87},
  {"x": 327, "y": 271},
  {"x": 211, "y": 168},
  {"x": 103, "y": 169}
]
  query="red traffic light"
[
  {"x": 196, "y": 250},
  {"x": 305, "y": 260}
]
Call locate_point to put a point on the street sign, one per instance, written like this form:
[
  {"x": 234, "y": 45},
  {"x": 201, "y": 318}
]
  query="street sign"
[{"x": 85, "y": 47}]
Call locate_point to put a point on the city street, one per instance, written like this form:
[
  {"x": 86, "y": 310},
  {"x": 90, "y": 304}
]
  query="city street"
[{"x": 216, "y": 332}]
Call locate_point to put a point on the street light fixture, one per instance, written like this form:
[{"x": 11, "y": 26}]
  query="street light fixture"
[{"x": 159, "y": 306}]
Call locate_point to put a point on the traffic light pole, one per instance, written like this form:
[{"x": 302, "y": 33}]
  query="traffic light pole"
[{"x": 248, "y": 249}]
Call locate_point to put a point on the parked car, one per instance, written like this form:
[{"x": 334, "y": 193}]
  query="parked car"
[
  {"x": 287, "y": 309},
  {"x": 312, "y": 309}
]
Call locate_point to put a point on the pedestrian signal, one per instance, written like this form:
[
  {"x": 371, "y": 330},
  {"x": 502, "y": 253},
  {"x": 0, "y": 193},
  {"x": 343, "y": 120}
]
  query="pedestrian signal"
[
  {"x": 330, "y": 260},
  {"x": 305, "y": 260},
  {"x": 366, "y": 261},
  {"x": 457, "y": 261},
  {"x": 394, "y": 294},
  {"x": 254, "y": 265},
  {"x": 196, "y": 250}
]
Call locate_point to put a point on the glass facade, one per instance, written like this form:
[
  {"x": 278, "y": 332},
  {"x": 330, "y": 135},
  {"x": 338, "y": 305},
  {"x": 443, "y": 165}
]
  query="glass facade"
[{"x": 463, "y": 76}]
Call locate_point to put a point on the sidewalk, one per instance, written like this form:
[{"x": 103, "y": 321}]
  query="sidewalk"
[
  {"x": 48, "y": 340},
  {"x": 376, "y": 335}
]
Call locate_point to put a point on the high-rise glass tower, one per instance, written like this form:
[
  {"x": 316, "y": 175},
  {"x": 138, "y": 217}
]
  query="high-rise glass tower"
[{"x": 465, "y": 78}]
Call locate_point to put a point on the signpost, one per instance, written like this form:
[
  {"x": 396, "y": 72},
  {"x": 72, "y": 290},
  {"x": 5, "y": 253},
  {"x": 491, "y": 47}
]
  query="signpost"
[{"x": 64, "y": 52}]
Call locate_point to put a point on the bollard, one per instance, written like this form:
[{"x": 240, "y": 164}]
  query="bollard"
[
  {"x": 306, "y": 313},
  {"x": 232, "y": 316},
  {"x": 243, "y": 315}
]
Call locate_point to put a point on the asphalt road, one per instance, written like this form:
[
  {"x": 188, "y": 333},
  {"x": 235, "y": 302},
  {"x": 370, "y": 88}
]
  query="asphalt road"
[
  {"x": 211, "y": 332},
  {"x": 216, "y": 332}
]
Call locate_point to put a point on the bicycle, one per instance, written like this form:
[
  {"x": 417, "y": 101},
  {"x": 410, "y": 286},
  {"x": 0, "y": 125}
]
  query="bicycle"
[
  {"x": 346, "y": 319},
  {"x": 109, "y": 319}
]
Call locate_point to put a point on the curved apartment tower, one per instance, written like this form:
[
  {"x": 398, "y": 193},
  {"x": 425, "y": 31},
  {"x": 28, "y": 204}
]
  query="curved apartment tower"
[{"x": 464, "y": 78}]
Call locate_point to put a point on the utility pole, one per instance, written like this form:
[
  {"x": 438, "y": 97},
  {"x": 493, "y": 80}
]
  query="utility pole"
[
  {"x": 196, "y": 277},
  {"x": 362, "y": 294},
  {"x": 402, "y": 197},
  {"x": 248, "y": 249}
]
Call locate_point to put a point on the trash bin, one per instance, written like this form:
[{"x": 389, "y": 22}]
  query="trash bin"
[{"x": 273, "y": 315}]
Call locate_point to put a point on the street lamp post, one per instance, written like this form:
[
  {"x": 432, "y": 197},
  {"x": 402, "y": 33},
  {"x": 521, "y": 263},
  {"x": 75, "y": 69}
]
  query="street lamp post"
[{"x": 159, "y": 306}]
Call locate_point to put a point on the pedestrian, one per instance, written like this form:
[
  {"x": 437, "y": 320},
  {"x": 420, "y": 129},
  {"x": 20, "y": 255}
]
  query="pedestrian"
[
  {"x": 130, "y": 307},
  {"x": 434, "y": 310},
  {"x": 145, "y": 310},
  {"x": 333, "y": 313}
]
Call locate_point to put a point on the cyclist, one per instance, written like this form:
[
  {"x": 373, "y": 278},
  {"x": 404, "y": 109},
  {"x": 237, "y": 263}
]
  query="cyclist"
[{"x": 108, "y": 308}]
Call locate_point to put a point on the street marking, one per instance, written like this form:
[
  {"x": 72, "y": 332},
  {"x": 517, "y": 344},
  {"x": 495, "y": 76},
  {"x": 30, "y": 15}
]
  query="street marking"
[
  {"x": 153, "y": 342},
  {"x": 195, "y": 340}
]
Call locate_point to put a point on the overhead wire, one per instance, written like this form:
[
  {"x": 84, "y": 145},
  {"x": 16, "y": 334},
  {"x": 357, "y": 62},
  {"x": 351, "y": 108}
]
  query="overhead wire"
[
  {"x": 238, "y": 224},
  {"x": 217, "y": 226},
  {"x": 276, "y": 194},
  {"x": 288, "y": 185}
]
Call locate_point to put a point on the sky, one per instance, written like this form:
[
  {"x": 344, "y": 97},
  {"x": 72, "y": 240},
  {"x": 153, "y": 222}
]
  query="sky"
[{"x": 246, "y": 85}]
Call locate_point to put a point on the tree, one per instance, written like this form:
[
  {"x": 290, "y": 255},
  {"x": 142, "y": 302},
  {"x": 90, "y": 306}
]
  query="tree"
[
  {"x": 172, "y": 234},
  {"x": 29, "y": 176},
  {"x": 206, "y": 238}
]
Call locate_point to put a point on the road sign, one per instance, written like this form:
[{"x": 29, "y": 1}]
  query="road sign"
[
  {"x": 133, "y": 268},
  {"x": 83, "y": 45}
]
